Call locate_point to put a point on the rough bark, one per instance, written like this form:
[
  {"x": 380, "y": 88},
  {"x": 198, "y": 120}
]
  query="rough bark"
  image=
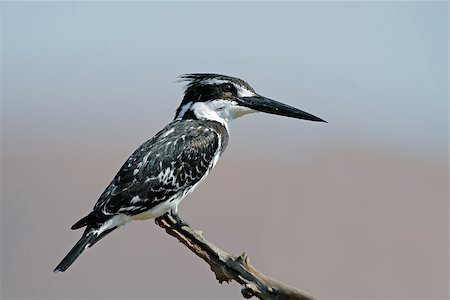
[{"x": 227, "y": 267}]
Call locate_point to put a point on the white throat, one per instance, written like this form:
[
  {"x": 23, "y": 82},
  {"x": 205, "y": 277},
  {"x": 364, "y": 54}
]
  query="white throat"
[{"x": 222, "y": 111}]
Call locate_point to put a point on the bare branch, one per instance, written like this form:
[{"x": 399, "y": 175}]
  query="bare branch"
[{"x": 227, "y": 267}]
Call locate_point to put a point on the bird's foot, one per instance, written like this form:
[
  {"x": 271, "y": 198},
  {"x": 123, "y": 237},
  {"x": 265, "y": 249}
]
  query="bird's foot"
[
  {"x": 180, "y": 221},
  {"x": 172, "y": 219}
]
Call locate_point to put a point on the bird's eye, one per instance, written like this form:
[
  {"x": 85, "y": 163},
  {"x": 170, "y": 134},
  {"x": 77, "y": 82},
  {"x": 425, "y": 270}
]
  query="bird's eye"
[{"x": 226, "y": 87}]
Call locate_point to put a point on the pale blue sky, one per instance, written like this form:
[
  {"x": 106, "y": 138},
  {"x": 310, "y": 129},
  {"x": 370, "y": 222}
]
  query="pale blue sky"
[{"x": 377, "y": 71}]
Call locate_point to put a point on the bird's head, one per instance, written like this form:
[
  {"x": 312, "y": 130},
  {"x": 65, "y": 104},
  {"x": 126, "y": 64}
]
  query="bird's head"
[{"x": 224, "y": 98}]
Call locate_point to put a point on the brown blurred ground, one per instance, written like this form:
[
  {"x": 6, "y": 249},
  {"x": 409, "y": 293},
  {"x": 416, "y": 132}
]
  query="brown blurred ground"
[{"x": 340, "y": 222}]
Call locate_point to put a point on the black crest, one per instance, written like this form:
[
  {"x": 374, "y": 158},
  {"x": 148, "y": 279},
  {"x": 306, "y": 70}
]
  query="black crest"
[
  {"x": 198, "y": 79},
  {"x": 201, "y": 85}
]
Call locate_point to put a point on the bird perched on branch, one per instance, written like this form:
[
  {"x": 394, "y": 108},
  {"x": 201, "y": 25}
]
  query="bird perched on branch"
[{"x": 164, "y": 169}]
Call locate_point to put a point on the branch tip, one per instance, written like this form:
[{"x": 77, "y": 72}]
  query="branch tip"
[{"x": 227, "y": 267}]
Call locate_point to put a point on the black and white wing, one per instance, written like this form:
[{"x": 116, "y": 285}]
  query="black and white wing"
[
  {"x": 163, "y": 169},
  {"x": 153, "y": 179}
]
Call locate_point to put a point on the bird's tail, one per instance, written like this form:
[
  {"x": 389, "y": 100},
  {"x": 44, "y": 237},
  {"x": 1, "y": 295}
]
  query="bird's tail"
[{"x": 89, "y": 238}]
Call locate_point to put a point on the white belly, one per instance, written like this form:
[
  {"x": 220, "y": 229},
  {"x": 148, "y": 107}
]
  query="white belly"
[{"x": 159, "y": 210}]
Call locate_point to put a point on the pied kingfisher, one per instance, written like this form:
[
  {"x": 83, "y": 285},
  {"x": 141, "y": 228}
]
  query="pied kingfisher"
[{"x": 164, "y": 169}]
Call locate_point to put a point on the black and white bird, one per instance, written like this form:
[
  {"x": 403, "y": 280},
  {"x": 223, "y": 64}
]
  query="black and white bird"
[{"x": 164, "y": 169}]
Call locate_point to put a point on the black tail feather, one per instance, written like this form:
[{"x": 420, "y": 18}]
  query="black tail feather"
[
  {"x": 88, "y": 239},
  {"x": 91, "y": 219},
  {"x": 81, "y": 223},
  {"x": 73, "y": 254}
]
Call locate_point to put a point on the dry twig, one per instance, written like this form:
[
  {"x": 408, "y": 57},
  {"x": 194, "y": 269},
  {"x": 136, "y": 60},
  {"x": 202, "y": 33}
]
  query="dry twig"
[{"x": 227, "y": 267}]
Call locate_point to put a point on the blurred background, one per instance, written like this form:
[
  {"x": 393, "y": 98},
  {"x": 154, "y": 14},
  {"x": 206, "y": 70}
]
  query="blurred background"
[{"x": 356, "y": 208}]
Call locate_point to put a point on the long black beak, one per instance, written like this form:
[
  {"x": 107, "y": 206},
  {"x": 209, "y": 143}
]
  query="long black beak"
[{"x": 270, "y": 106}]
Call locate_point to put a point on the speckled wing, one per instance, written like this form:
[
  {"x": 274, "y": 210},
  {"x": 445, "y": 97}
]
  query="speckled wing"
[{"x": 164, "y": 167}]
